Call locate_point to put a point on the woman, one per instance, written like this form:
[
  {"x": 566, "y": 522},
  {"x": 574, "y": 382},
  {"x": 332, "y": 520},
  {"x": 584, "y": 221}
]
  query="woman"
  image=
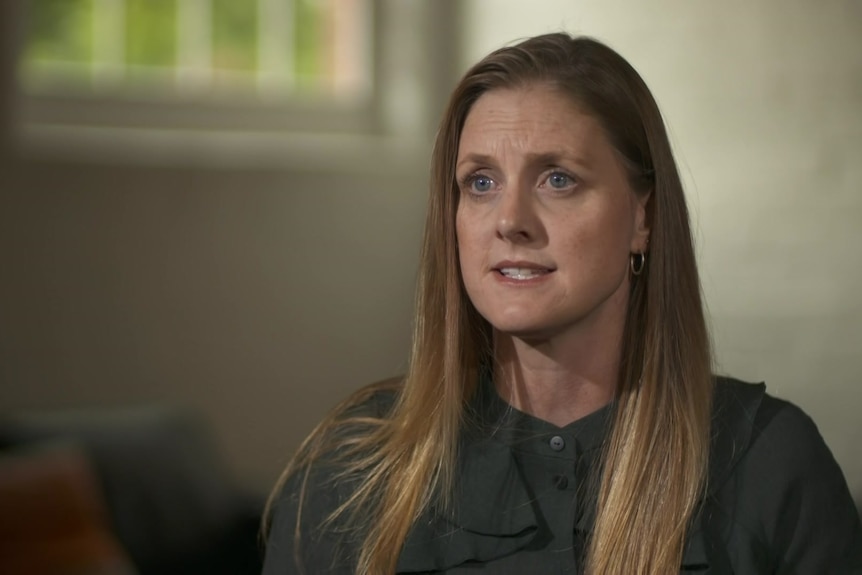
[{"x": 559, "y": 414}]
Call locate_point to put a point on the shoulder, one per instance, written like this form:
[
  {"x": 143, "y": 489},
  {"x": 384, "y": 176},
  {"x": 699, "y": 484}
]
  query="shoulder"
[
  {"x": 374, "y": 400},
  {"x": 776, "y": 490},
  {"x": 750, "y": 425},
  {"x": 747, "y": 420},
  {"x": 299, "y": 532},
  {"x": 297, "y": 541}
]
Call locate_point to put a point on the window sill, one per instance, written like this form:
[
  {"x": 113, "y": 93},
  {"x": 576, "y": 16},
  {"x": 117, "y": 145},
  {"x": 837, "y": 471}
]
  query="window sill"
[{"x": 234, "y": 150}]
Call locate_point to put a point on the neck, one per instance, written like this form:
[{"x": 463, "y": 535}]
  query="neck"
[{"x": 560, "y": 379}]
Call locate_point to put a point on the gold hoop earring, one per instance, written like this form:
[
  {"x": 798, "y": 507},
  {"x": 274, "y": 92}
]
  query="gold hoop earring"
[{"x": 638, "y": 263}]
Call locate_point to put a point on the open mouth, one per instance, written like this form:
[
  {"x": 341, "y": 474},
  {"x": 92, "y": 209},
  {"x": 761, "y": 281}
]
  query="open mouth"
[{"x": 522, "y": 273}]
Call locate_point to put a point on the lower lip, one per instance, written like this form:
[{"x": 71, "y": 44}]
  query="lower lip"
[{"x": 530, "y": 282}]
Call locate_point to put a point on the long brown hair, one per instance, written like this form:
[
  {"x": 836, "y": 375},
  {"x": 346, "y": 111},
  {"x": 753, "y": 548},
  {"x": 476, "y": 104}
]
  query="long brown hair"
[{"x": 656, "y": 457}]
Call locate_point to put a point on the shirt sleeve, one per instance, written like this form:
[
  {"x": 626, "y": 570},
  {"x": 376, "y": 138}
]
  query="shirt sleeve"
[
  {"x": 318, "y": 550},
  {"x": 322, "y": 547},
  {"x": 795, "y": 498}
]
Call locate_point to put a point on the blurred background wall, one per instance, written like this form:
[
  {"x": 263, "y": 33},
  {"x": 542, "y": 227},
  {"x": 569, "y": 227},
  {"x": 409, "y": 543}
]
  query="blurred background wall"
[{"x": 262, "y": 293}]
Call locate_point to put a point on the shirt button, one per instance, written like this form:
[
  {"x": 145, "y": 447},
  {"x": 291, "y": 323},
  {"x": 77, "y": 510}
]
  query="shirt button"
[
  {"x": 561, "y": 481},
  {"x": 557, "y": 443}
]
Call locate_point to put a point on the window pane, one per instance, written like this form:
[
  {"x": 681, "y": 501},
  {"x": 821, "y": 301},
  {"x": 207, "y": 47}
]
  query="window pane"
[
  {"x": 234, "y": 34},
  {"x": 59, "y": 30},
  {"x": 151, "y": 32},
  {"x": 268, "y": 48},
  {"x": 309, "y": 41}
]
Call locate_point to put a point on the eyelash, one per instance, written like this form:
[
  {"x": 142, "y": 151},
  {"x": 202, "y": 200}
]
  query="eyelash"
[
  {"x": 572, "y": 180},
  {"x": 466, "y": 183}
]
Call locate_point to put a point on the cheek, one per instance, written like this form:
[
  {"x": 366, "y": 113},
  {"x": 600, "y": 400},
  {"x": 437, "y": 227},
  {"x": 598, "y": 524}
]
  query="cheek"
[
  {"x": 459, "y": 226},
  {"x": 465, "y": 235},
  {"x": 465, "y": 259},
  {"x": 616, "y": 228},
  {"x": 596, "y": 240}
]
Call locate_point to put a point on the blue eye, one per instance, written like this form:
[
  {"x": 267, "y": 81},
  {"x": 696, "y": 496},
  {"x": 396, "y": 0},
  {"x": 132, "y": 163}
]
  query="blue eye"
[
  {"x": 481, "y": 184},
  {"x": 559, "y": 180}
]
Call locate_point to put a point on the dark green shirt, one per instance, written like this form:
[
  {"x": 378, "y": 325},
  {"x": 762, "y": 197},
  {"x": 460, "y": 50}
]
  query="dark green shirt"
[{"x": 777, "y": 502}]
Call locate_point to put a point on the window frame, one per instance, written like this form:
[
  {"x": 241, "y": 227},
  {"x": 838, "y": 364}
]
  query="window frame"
[{"x": 412, "y": 70}]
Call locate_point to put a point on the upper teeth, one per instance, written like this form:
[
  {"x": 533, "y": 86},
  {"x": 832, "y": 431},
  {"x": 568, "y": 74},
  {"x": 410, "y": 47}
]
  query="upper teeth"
[{"x": 521, "y": 273}]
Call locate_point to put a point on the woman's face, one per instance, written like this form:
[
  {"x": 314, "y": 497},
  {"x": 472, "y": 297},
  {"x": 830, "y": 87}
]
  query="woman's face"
[{"x": 546, "y": 217}]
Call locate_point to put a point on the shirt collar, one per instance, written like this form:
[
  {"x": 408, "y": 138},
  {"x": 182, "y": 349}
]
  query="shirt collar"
[
  {"x": 496, "y": 419},
  {"x": 493, "y": 516}
]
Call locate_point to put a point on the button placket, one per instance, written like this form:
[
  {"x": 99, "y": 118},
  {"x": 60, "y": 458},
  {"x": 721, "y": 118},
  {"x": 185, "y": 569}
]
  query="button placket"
[{"x": 563, "y": 446}]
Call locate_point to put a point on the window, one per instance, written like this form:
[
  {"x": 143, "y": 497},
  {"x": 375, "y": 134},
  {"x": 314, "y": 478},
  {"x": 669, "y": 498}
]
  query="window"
[
  {"x": 266, "y": 49},
  {"x": 226, "y": 86}
]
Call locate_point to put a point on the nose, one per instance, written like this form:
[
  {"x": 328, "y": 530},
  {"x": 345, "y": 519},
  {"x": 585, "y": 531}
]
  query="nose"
[{"x": 517, "y": 220}]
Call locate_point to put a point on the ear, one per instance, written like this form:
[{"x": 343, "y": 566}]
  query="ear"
[{"x": 640, "y": 237}]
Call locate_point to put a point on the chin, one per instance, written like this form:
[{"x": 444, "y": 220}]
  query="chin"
[
  {"x": 532, "y": 335},
  {"x": 523, "y": 328}
]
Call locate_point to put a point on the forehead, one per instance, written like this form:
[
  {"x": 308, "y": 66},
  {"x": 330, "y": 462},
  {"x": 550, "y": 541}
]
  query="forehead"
[{"x": 535, "y": 119}]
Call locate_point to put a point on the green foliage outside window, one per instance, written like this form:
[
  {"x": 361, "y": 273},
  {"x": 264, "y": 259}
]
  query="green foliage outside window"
[
  {"x": 234, "y": 35},
  {"x": 308, "y": 32},
  {"x": 61, "y": 31},
  {"x": 151, "y": 32}
]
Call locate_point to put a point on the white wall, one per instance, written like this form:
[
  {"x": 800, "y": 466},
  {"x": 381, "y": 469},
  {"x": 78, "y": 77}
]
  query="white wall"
[{"x": 764, "y": 104}]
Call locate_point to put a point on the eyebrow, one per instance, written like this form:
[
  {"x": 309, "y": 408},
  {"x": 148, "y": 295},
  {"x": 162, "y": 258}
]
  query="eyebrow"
[
  {"x": 541, "y": 158},
  {"x": 554, "y": 158},
  {"x": 475, "y": 159}
]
